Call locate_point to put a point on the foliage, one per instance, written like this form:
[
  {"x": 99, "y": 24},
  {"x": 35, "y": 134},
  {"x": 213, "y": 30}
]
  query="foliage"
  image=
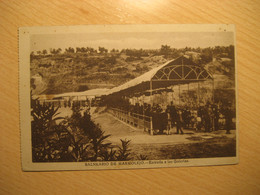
[
  {"x": 124, "y": 151},
  {"x": 55, "y": 51},
  {"x": 136, "y": 53},
  {"x": 69, "y": 50},
  {"x": 74, "y": 139},
  {"x": 44, "y": 131},
  {"x": 88, "y": 50},
  {"x": 224, "y": 96},
  {"x": 165, "y": 49},
  {"x": 71, "y": 69},
  {"x": 205, "y": 58},
  {"x": 132, "y": 58},
  {"x": 102, "y": 50},
  {"x": 142, "y": 157},
  {"x": 109, "y": 155},
  {"x": 44, "y": 52},
  {"x": 230, "y": 69},
  {"x": 142, "y": 69},
  {"x": 98, "y": 143},
  {"x": 44, "y": 116}
]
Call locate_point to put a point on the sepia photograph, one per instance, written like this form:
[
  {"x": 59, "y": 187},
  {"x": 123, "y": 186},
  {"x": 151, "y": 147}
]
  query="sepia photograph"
[{"x": 127, "y": 96}]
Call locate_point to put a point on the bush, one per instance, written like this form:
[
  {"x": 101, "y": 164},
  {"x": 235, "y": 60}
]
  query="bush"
[
  {"x": 74, "y": 139},
  {"x": 124, "y": 151},
  {"x": 45, "y": 132}
]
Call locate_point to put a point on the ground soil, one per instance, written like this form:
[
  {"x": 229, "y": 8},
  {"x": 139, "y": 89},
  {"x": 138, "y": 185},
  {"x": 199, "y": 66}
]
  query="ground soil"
[{"x": 174, "y": 146}]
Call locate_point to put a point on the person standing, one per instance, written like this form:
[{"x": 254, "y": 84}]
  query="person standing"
[
  {"x": 179, "y": 122},
  {"x": 169, "y": 121},
  {"x": 207, "y": 119},
  {"x": 173, "y": 114},
  {"x": 199, "y": 118},
  {"x": 228, "y": 117},
  {"x": 216, "y": 117}
]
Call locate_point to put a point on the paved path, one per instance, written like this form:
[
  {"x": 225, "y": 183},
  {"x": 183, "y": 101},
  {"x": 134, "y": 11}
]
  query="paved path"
[{"x": 120, "y": 130}]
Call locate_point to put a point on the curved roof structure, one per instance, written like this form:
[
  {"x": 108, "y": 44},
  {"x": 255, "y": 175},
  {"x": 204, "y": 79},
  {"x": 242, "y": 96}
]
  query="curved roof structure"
[
  {"x": 91, "y": 92},
  {"x": 178, "y": 71}
]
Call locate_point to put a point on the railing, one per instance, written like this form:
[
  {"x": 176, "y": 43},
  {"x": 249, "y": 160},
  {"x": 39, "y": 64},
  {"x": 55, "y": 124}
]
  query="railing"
[{"x": 136, "y": 120}]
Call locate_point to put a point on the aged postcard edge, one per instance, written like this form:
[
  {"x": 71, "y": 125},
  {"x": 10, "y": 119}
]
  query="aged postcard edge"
[
  {"x": 24, "y": 95},
  {"x": 236, "y": 93}
]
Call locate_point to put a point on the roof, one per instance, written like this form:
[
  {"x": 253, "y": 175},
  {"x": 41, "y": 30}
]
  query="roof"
[
  {"x": 141, "y": 79},
  {"x": 92, "y": 92},
  {"x": 178, "y": 71}
]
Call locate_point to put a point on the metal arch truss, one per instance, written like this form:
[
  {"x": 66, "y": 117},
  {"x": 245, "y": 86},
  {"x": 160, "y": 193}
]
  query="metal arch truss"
[{"x": 182, "y": 72}]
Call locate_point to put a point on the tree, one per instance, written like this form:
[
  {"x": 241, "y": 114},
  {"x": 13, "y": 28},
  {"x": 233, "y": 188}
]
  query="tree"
[
  {"x": 114, "y": 50},
  {"x": 83, "y": 49},
  {"x": 58, "y": 51},
  {"x": 198, "y": 49},
  {"x": 206, "y": 56},
  {"x": 69, "y": 50},
  {"x": 102, "y": 50},
  {"x": 44, "y": 52},
  {"x": 90, "y": 50},
  {"x": 165, "y": 49},
  {"x": 78, "y": 49},
  {"x": 53, "y": 51},
  {"x": 44, "y": 129}
]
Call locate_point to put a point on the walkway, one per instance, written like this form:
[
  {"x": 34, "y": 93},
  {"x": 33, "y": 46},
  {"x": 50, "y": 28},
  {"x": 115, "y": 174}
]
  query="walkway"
[{"x": 120, "y": 130}]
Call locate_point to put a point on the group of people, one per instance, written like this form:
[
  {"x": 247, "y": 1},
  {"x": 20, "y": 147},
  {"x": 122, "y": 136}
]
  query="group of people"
[{"x": 205, "y": 118}]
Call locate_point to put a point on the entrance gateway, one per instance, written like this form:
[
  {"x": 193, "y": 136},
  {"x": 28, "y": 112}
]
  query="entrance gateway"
[{"x": 174, "y": 72}]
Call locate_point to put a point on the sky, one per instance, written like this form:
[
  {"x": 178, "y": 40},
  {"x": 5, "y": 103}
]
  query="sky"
[{"x": 149, "y": 40}]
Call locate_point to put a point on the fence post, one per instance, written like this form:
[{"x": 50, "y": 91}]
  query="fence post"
[{"x": 151, "y": 125}]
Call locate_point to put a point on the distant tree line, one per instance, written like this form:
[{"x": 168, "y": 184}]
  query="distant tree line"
[
  {"x": 88, "y": 50},
  {"x": 206, "y": 54}
]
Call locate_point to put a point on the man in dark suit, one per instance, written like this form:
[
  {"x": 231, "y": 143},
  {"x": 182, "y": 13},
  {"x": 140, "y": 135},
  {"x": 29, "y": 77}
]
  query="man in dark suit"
[
  {"x": 179, "y": 122},
  {"x": 173, "y": 113},
  {"x": 228, "y": 117}
]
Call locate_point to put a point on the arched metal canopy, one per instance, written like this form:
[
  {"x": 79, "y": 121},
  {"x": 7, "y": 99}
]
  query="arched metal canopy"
[{"x": 179, "y": 71}]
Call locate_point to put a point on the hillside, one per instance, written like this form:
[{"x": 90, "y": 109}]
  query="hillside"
[
  {"x": 68, "y": 72},
  {"x": 63, "y": 73}
]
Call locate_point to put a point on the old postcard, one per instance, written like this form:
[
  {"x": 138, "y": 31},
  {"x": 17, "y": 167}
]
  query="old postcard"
[{"x": 127, "y": 96}]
